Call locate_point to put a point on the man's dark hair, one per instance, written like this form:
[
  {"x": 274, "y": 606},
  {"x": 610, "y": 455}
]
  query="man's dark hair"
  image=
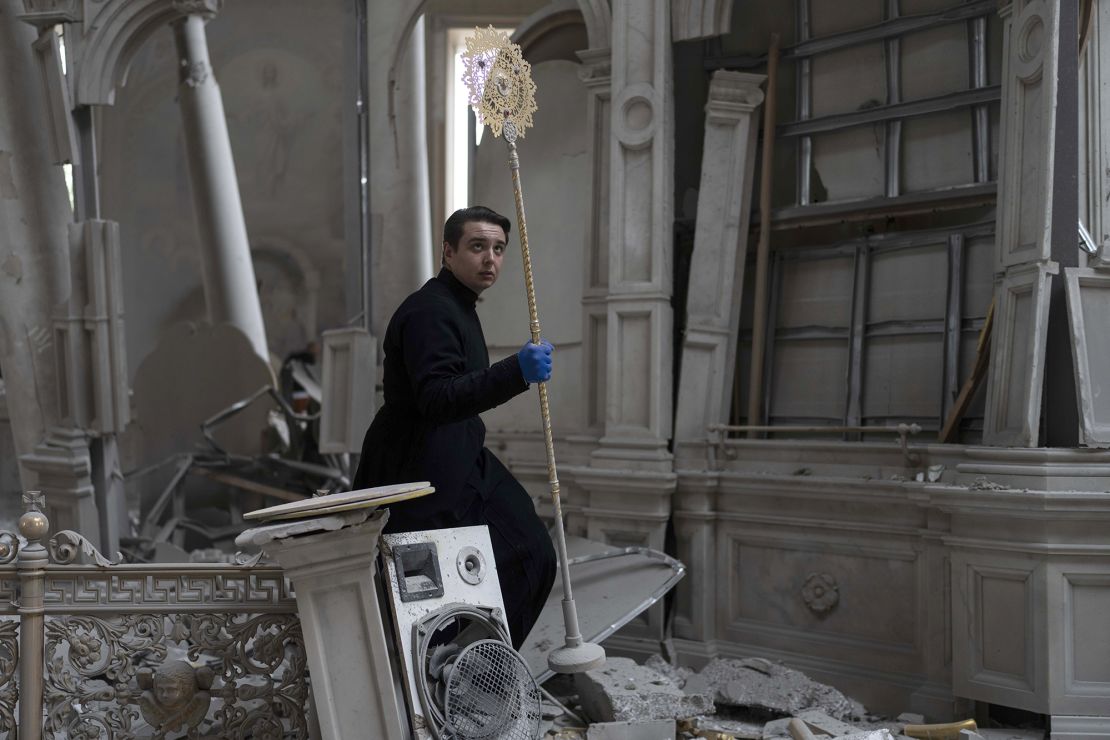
[{"x": 453, "y": 229}]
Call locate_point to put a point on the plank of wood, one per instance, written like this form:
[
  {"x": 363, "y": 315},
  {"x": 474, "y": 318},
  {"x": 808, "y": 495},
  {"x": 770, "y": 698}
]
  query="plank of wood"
[
  {"x": 247, "y": 485},
  {"x": 978, "y": 372}
]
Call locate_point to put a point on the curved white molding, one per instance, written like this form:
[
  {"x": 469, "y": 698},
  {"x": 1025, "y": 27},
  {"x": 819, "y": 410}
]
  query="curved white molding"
[
  {"x": 599, "y": 22},
  {"x": 114, "y": 33},
  {"x": 551, "y": 17},
  {"x": 699, "y": 19}
]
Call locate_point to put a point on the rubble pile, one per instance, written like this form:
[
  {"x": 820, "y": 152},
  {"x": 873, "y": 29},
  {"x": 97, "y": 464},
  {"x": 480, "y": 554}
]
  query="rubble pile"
[
  {"x": 758, "y": 687},
  {"x": 729, "y": 699}
]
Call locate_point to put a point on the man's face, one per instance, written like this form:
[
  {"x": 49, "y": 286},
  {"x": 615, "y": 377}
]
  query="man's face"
[{"x": 476, "y": 262}]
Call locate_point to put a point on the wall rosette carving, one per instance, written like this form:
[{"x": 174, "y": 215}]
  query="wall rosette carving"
[{"x": 821, "y": 593}]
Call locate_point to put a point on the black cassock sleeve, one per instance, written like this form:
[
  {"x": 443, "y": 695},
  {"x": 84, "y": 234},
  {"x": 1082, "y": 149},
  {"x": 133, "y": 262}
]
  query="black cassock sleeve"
[{"x": 444, "y": 389}]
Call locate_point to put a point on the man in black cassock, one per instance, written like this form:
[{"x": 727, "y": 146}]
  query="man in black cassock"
[{"x": 437, "y": 379}]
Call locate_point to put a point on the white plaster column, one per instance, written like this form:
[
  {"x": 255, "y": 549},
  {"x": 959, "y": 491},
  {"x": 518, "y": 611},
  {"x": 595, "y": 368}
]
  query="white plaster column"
[
  {"x": 641, "y": 220},
  {"x": 596, "y": 74},
  {"x": 34, "y": 211},
  {"x": 720, "y": 247},
  {"x": 638, "y": 274},
  {"x": 712, "y": 327},
  {"x": 226, "y": 268},
  {"x": 1025, "y": 226},
  {"x": 402, "y": 242},
  {"x": 630, "y": 478}
]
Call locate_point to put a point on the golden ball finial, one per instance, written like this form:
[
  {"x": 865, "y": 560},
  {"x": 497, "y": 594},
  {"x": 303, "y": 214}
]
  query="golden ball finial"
[{"x": 34, "y": 525}]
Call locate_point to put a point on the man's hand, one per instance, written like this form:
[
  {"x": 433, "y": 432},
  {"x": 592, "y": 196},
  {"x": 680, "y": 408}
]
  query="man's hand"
[{"x": 535, "y": 361}]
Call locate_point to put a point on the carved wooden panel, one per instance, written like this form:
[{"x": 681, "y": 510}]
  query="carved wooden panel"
[
  {"x": 1029, "y": 84},
  {"x": 819, "y": 593},
  {"x": 1017, "y": 357},
  {"x": 1088, "y": 295},
  {"x": 997, "y": 603},
  {"x": 1083, "y": 673}
]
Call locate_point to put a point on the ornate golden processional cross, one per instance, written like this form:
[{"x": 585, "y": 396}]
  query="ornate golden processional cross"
[{"x": 503, "y": 96}]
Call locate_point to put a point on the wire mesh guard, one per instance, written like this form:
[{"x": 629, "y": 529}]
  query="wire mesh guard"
[{"x": 490, "y": 694}]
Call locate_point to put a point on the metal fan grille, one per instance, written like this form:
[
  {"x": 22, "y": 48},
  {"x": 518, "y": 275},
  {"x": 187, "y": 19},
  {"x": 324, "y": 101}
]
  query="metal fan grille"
[{"x": 490, "y": 694}]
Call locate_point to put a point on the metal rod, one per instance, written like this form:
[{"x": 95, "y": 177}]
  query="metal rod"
[
  {"x": 853, "y": 410},
  {"x": 570, "y": 616},
  {"x": 883, "y": 243},
  {"x": 893, "y": 111},
  {"x": 804, "y": 99},
  {"x": 771, "y": 323},
  {"x": 953, "y": 317},
  {"x": 844, "y": 211},
  {"x": 980, "y": 114},
  {"x": 835, "y": 429},
  {"x": 892, "y": 150},
  {"x": 895, "y": 27},
  {"x": 362, "y": 119},
  {"x": 759, "y": 319}
]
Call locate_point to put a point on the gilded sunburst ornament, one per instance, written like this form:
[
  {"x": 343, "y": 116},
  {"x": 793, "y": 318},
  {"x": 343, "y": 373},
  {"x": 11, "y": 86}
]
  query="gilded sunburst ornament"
[{"x": 499, "y": 81}]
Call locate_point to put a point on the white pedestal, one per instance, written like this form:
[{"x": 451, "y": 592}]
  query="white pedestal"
[{"x": 334, "y": 574}]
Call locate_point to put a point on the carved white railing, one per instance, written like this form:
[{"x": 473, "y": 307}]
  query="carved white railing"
[{"x": 135, "y": 651}]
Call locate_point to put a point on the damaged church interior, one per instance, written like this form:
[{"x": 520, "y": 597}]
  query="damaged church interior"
[{"x": 827, "y": 283}]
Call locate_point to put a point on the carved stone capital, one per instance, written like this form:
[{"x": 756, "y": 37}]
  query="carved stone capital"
[
  {"x": 597, "y": 67},
  {"x": 205, "y": 8},
  {"x": 43, "y": 14},
  {"x": 733, "y": 95}
]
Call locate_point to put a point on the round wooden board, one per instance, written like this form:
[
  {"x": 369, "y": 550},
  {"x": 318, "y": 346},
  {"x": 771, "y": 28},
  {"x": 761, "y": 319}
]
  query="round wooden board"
[{"x": 346, "y": 501}]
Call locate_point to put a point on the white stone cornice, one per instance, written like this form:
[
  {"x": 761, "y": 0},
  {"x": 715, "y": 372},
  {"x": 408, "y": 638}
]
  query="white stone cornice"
[
  {"x": 550, "y": 17},
  {"x": 599, "y": 22},
  {"x": 700, "y": 19},
  {"x": 114, "y": 31},
  {"x": 733, "y": 95},
  {"x": 597, "y": 68},
  {"x": 44, "y": 14}
]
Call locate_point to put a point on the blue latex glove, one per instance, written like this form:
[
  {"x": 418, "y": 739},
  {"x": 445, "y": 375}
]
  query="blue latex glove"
[{"x": 535, "y": 361}]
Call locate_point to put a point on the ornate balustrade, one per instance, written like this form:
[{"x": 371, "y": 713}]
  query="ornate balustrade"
[{"x": 133, "y": 651}]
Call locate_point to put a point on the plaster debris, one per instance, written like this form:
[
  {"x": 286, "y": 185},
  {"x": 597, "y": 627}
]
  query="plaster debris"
[
  {"x": 983, "y": 484},
  {"x": 823, "y": 723},
  {"x": 872, "y": 735},
  {"x": 776, "y": 729},
  {"x": 704, "y": 726},
  {"x": 677, "y": 674},
  {"x": 763, "y": 686},
  {"x": 747, "y": 699},
  {"x": 623, "y": 691},
  {"x": 911, "y": 718},
  {"x": 661, "y": 729}
]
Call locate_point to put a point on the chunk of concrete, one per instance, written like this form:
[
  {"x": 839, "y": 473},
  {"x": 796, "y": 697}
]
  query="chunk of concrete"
[
  {"x": 776, "y": 729},
  {"x": 760, "y": 685},
  {"x": 873, "y": 735},
  {"x": 677, "y": 674},
  {"x": 738, "y": 729},
  {"x": 623, "y": 691},
  {"x": 821, "y": 723},
  {"x": 911, "y": 718},
  {"x": 658, "y": 729}
]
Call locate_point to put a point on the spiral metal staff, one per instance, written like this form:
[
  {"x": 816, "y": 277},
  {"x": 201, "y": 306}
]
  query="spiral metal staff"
[{"x": 502, "y": 94}]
